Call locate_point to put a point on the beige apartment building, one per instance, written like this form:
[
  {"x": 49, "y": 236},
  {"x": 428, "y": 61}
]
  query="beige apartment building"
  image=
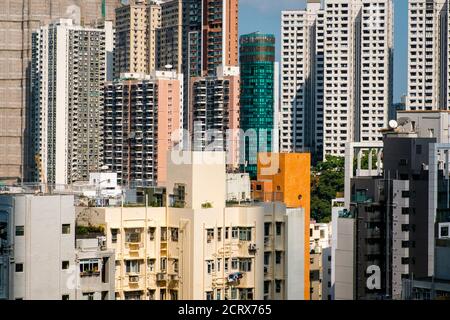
[
  {"x": 18, "y": 19},
  {"x": 199, "y": 248}
]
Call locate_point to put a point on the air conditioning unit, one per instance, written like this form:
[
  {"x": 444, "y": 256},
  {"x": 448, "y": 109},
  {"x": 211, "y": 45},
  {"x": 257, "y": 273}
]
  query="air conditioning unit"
[
  {"x": 252, "y": 247},
  {"x": 160, "y": 277},
  {"x": 174, "y": 277},
  {"x": 102, "y": 242}
]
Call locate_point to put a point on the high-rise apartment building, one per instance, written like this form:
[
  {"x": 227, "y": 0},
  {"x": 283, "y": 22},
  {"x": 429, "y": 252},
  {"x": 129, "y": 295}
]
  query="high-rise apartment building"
[
  {"x": 428, "y": 55},
  {"x": 142, "y": 115},
  {"x": 68, "y": 72},
  {"x": 132, "y": 33},
  {"x": 170, "y": 36},
  {"x": 18, "y": 19},
  {"x": 214, "y": 113},
  {"x": 259, "y": 96},
  {"x": 220, "y": 34},
  {"x": 336, "y": 75}
]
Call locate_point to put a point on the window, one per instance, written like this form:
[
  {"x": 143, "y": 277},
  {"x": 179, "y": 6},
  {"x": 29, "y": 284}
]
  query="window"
[
  {"x": 405, "y": 194},
  {"x": 163, "y": 234},
  {"x": 209, "y": 235},
  {"x": 246, "y": 294},
  {"x": 234, "y": 263},
  {"x": 88, "y": 296},
  {"x": 65, "y": 297},
  {"x": 163, "y": 264},
  {"x": 405, "y": 260},
  {"x": 266, "y": 258},
  {"x": 405, "y": 210},
  {"x": 210, "y": 266},
  {"x": 233, "y": 293},
  {"x": 209, "y": 295},
  {"x": 65, "y": 265},
  {"x": 419, "y": 149},
  {"x": 322, "y": 234},
  {"x": 245, "y": 265},
  {"x": 174, "y": 234},
  {"x": 132, "y": 266},
  {"x": 65, "y": 229},
  {"x": 175, "y": 265},
  {"x": 227, "y": 231},
  {"x": 234, "y": 233},
  {"x": 267, "y": 229},
  {"x": 277, "y": 286},
  {"x": 89, "y": 266},
  {"x": 151, "y": 294},
  {"x": 20, "y": 231},
  {"x": 151, "y": 265},
  {"x": 114, "y": 233},
  {"x": 444, "y": 230},
  {"x": 225, "y": 266},
  {"x": 19, "y": 267},
  {"x": 151, "y": 233},
  {"x": 133, "y": 236},
  {"x": 278, "y": 227},
  {"x": 219, "y": 234},
  {"x": 278, "y": 257},
  {"x": 219, "y": 262},
  {"x": 245, "y": 234}
]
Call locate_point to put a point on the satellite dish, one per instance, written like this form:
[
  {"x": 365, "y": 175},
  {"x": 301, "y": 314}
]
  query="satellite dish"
[
  {"x": 168, "y": 66},
  {"x": 105, "y": 167},
  {"x": 393, "y": 124}
]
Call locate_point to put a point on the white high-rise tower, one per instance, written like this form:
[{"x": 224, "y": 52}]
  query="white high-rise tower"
[
  {"x": 336, "y": 74},
  {"x": 68, "y": 73}
]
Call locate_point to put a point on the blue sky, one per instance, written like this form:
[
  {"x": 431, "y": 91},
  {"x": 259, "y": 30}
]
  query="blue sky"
[{"x": 264, "y": 16}]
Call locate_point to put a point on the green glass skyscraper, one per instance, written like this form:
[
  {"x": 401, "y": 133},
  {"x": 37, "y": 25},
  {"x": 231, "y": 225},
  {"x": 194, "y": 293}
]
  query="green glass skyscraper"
[{"x": 257, "y": 61}]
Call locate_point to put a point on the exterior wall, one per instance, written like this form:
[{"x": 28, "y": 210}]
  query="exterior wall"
[
  {"x": 99, "y": 284},
  {"x": 42, "y": 218},
  {"x": 238, "y": 187},
  {"x": 431, "y": 124},
  {"x": 194, "y": 170},
  {"x": 205, "y": 237},
  {"x": 344, "y": 259},
  {"x": 290, "y": 175},
  {"x": 19, "y": 18},
  {"x": 297, "y": 258},
  {"x": 170, "y": 119}
]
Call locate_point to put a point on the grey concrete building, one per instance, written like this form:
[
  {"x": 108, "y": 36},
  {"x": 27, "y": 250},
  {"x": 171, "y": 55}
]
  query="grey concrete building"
[
  {"x": 42, "y": 260},
  {"x": 18, "y": 19},
  {"x": 399, "y": 211}
]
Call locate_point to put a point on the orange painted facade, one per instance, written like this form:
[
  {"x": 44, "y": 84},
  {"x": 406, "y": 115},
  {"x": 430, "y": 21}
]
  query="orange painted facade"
[{"x": 286, "y": 177}]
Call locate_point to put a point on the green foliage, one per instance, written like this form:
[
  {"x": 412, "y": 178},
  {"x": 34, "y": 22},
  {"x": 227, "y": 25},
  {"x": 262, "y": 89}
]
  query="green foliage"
[
  {"x": 207, "y": 205},
  {"x": 81, "y": 230},
  {"x": 326, "y": 182}
]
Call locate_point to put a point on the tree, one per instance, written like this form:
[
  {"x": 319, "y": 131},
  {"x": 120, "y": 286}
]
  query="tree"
[{"x": 327, "y": 181}]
